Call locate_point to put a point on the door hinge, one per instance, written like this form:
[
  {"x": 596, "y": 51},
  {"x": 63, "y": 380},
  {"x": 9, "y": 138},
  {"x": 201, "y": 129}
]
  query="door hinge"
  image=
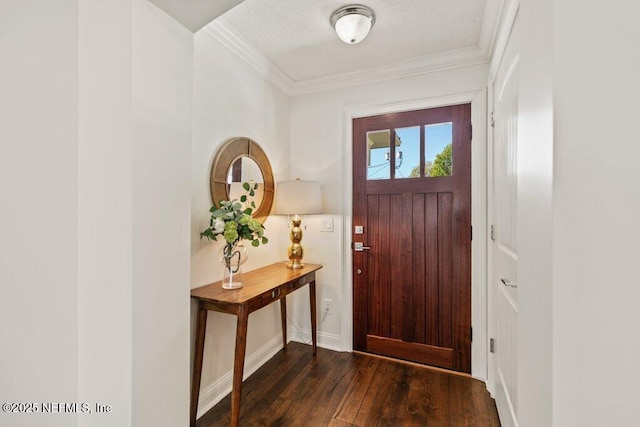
[
  {"x": 492, "y": 345},
  {"x": 493, "y": 121},
  {"x": 470, "y": 130},
  {"x": 471, "y": 333},
  {"x": 493, "y": 232},
  {"x": 472, "y": 232}
]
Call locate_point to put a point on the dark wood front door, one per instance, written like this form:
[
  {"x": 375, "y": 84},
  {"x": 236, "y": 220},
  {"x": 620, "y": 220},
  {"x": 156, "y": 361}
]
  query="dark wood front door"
[{"x": 412, "y": 236}]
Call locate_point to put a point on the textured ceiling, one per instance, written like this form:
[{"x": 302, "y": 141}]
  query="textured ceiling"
[{"x": 296, "y": 36}]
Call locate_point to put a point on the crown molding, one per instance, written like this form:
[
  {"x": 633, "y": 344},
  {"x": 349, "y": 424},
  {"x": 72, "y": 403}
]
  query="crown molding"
[
  {"x": 493, "y": 12},
  {"x": 508, "y": 13},
  {"x": 466, "y": 57},
  {"x": 413, "y": 67},
  {"x": 248, "y": 53}
]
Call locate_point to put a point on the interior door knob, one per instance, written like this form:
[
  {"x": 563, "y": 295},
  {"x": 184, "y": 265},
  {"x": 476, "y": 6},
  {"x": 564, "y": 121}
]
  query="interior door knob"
[{"x": 509, "y": 283}]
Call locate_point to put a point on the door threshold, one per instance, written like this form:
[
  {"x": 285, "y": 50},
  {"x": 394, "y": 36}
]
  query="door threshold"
[{"x": 417, "y": 365}]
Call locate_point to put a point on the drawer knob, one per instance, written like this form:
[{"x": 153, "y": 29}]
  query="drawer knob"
[{"x": 275, "y": 293}]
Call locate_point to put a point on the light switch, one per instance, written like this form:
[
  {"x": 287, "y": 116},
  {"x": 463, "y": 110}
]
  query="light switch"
[{"x": 326, "y": 224}]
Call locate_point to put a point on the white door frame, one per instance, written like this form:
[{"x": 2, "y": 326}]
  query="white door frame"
[{"x": 478, "y": 102}]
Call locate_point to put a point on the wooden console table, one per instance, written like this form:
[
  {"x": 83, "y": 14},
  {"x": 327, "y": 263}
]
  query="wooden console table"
[{"x": 261, "y": 287}]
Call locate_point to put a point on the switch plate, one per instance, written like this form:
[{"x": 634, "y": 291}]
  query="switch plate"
[
  {"x": 326, "y": 224},
  {"x": 359, "y": 229}
]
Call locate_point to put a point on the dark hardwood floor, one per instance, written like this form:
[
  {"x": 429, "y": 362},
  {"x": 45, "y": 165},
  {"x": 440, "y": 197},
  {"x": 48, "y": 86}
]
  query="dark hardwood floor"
[{"x": 345, "y": 389}]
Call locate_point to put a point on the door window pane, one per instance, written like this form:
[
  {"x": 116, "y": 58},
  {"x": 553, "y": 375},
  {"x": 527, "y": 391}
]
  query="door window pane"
[
  {"x": 408, "y": 152},
  {"x": 438, "y": 153},
  {"x": 378, "y": 154}
]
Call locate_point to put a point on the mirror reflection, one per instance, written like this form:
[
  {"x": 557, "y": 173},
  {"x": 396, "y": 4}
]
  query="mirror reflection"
[{"x": 245, "y": 169}]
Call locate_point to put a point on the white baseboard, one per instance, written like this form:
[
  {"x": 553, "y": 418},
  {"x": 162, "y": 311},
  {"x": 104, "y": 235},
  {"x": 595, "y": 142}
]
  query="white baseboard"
[
  {"x": 506, "y": 411},
  {"x": 325, "y": 340},
  {"x": 219, "y": 389}
]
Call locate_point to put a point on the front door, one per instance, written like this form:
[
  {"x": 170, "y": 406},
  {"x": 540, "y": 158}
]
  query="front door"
[{"x": 412, "y": 236}]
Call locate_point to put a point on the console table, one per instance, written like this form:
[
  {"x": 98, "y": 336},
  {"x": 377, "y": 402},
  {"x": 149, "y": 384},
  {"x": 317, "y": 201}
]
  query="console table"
[{"x": 261, "y": 287}]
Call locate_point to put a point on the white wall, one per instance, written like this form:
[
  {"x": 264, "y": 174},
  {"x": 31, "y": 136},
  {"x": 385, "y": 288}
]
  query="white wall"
[
  {"x": 535, "y": 230},
  {"x": 94, "y": 180},
  {"x": 162, "y": 113},
  {"x": 578, "y": 217},
  {"x": 596, "y": 321},
  {"x": 104, "y": 213},
  {"x": 38, "y": 206},
  {"x": 231, "y": 99},
  {"x": 318, "y": 153}
]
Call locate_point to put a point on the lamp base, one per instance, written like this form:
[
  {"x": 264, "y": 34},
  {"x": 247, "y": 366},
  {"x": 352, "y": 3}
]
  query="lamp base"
[
  {"x": 295, "y": 251},
  {"x": 295, "y": 264}
]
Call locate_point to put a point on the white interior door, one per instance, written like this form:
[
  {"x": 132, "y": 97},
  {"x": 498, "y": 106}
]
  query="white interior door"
[{"x": 504, "y": 243}]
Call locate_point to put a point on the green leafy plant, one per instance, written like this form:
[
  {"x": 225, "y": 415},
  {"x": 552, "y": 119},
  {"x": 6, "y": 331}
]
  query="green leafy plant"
[{"x": 232, "y": 221}]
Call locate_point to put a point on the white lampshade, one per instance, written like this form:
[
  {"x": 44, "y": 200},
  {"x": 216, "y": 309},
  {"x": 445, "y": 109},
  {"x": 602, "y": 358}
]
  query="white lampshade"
[
  {"x": 352, "y": 23},
  {"x": 298, "y": 198}
]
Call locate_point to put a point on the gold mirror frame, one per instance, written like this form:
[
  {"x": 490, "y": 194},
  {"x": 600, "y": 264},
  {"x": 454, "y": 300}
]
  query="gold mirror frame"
[{"x": 226, "y": 156}]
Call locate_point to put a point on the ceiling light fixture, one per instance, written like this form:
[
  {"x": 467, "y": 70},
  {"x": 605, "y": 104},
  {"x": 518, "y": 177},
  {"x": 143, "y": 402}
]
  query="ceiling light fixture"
[{"x": 353, "y": 22}]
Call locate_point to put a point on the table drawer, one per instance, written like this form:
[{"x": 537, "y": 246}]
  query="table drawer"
[
  {"x": 298, "y": 283},
  {"x": 275, "y": 294}
]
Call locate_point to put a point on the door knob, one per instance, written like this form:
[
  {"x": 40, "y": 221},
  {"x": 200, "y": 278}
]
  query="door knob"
[
  {"x": 509, "y": 283},
  {"x": 359, "y": 247}
]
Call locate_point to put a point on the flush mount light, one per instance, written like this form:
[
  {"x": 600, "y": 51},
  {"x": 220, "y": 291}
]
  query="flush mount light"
[{"x": 352, "y": 23}]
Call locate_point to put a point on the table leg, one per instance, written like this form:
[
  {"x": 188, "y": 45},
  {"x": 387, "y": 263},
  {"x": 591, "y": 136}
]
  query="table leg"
[
  {"x": 283, "y": 319},
  {"x": 314, "y": 318},
  {"x": 198, "y": 352},
  {"x": 238, "y": 364}
]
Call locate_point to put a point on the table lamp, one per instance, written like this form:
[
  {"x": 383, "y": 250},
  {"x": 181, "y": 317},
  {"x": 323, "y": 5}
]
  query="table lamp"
[{"x": 297, "y": 198}]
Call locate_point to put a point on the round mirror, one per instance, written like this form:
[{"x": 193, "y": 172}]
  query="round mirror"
[{"x": 242, "y": 160}]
